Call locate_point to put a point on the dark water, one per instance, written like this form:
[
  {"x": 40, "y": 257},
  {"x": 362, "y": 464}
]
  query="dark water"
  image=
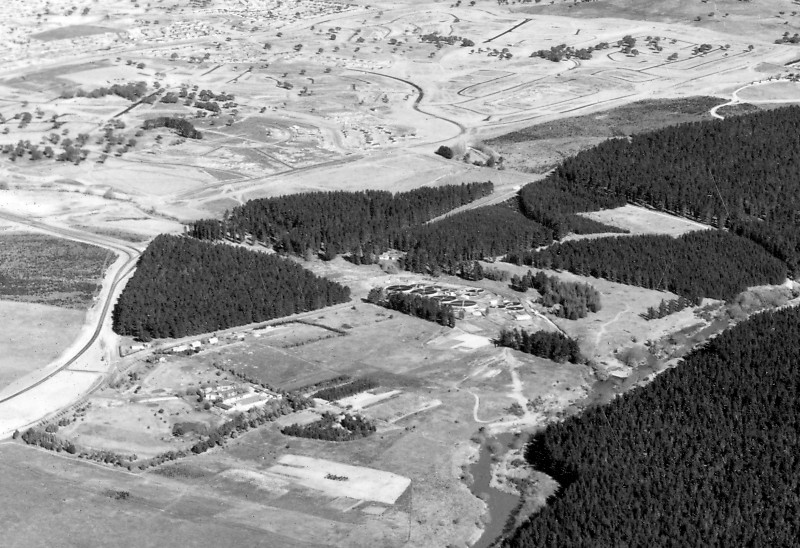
[{"x": 500, "y": 503}]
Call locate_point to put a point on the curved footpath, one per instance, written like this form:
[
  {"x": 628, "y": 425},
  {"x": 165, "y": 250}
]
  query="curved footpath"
[{"x": 82, "y": 367}]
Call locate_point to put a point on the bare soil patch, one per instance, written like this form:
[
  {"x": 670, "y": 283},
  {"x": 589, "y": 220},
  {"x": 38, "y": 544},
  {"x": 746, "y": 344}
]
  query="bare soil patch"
[{"x": 342, "y": 480}]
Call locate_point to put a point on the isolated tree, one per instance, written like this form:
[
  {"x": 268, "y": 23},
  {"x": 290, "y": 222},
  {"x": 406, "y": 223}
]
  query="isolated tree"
[
  {"x": 445, "y": 152},
  {"x": 376, "y": 295}
]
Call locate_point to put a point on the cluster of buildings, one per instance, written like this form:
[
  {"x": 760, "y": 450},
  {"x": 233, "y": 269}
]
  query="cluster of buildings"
[
  {"x": 235, "y": 399},
  {"x": 194, "y": 345},
  {"x": 466, "y": 300},
  {"x": 459, "y": 298}
]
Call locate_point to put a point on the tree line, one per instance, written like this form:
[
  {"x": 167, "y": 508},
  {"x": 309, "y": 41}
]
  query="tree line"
[
  {"x": 184, "y": 286},
  {"x": 421, "y": 307},
  {"x": 573, "y": 299},
  {"x": 132, "y": 91},
  {"x": 741, "y": 173},
  {"x": 333, "y": 428},
  {"x": 551, "y": 345},
  {"x": 453, "y": 244},
  {"x": 364, "y": 222},
  {"x": 707, "y": 263},
  {"x": 706, "y": 453},
  {"x": 670, "y": 306},
  {"x": 252, "y": 418},
  {"x": 333, "y": 393}
]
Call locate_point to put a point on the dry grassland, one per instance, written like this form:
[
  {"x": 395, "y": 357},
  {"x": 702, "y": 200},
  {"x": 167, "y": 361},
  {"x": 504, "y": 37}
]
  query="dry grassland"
[
  {"x": 330, "y": 96},
  {"x": 34, "y": 335}
]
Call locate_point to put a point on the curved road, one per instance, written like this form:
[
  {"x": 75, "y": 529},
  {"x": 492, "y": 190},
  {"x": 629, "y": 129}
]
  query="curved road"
[
  {"x": 420, "y": 94},
  {"x": 735, "y": 99},
  {"x": 126, "y": 250}
]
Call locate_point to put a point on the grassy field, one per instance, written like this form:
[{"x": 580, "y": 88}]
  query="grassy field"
[
  {"x": 423, "y": 429},
  {"x": 82, "y": 508},
  {"x": 44, "y": 269},
  {"x": 34, "y": 335},
  {"x": 538, "y": 148}
]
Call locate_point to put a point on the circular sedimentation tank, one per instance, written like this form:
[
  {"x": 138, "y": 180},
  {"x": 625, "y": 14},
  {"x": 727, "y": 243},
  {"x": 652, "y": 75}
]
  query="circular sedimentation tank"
[
  {"x": 463, "y": 303},
  {"x": 424, "y": 291},
  {"x": 399, "y": 288}
]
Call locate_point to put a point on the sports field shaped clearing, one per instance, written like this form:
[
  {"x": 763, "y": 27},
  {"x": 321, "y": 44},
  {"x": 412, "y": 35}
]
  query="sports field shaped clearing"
[{"x": 360, "y": 483}]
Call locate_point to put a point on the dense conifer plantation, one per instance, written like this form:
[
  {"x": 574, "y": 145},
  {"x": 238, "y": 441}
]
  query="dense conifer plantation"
[
  {"x": 705, "y": 455},
  {"x": 742, "y": 173},
  {"x": 554, "y": 205},
  {"x": 344, "y": 390},
  {"x": 184, "y": 286},
  {"x": 362, "y": 222},
  {"x": 708, "y": 263},
  {"x": 444, "y": 246}
]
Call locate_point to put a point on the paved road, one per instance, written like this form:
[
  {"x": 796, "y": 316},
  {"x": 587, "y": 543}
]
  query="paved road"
[{"x": 117, "y": 246}]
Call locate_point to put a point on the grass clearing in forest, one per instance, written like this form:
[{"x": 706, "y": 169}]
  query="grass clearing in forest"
[{"x": 640, "y": 220}]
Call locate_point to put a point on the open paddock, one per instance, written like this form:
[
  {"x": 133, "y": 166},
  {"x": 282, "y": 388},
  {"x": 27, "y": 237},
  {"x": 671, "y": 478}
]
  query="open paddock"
[
  {"x": 68, "y": 490},
  {"x": 179, "y": 374},
  {"x": 144, "y": 429},
  {"x": 294, "y": 334},
  {"x": 259, "y": 360},
  {"x": 35, "y": 335},
  {"x": 395, "y": 346},
  {"x": 403, "y": 405}
]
